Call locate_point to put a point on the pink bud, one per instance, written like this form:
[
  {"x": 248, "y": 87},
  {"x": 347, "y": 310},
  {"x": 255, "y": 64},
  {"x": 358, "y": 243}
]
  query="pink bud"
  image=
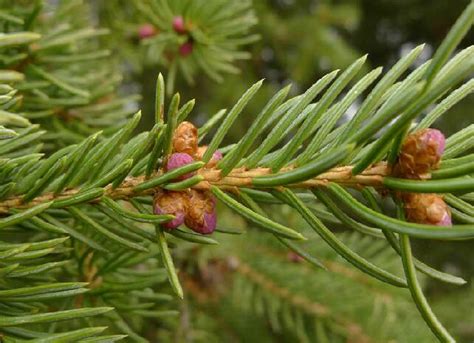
[
  {"x": 178, "y": 25},
  {"x": 436, "y": 138},
  {"x": 426, "y": 208},
  {"x": 210, "y": 223},
  {"x": 174, "y": 203},
  {"x": 179, "y": 159},
  {"x": 186, "y": 49},
  {"x": 173, "y": 224},
  {"x": 146, "y": 31},
  {"x": 216, "y": 156},
  {"x": 420, "y": 153},
  {"x": 201, "y": 213}
]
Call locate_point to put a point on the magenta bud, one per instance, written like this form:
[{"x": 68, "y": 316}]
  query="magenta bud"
[
  {"x": 173, "y": 203},
  {"x": 146, "y": 31},
  {"x": 436, "y": 138},
  {"x": 179, "y": 159},
  {"x": 186, "y": 49},
  {"x": 208, "y": 224},
  {"x": 178, "y": 25},
  {"x": 172, "y": 224},
  {"x": 201, "y": 214}
]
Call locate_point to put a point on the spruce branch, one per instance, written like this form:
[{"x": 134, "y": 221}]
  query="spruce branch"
[
  {"x": 104, "y": 192},
  {"x": 309, "y": 307},
  {"x": 137, "y": 186},
  {"x": 209, "y": 38},
  {"x": 262, "y": 288},
  {"x": 47, "y": 59}
]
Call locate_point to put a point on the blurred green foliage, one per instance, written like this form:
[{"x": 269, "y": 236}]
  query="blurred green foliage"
[
  {"x": 300, "y": 40},
  {"x": 249, "y": 289}
]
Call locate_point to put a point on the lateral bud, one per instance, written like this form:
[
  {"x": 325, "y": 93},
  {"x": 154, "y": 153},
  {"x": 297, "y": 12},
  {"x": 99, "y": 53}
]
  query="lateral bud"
[
  {"x": 426, "y": 208},
  {"x": 420, "y": 153}
]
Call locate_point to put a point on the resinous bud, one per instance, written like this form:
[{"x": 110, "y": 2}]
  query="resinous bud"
[
  {"x": 179, "y": 159},
  {"x": 174, "y": 203},
  {"x": 420, "y": 153},
  {"x": 201, "y": 214},
  {"x": 427, "y": 208},
  {"x": 185, "y": 138},
  {"x": 216, "y": 156}
]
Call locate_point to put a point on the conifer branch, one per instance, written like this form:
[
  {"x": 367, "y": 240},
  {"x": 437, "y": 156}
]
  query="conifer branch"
[
  {"x": 63, "y": 199},
  {"x": 237, "y": 178},
  {"x": 352, "y": 329}
]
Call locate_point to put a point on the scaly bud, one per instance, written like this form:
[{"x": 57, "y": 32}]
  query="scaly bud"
[
  {"x": 146, "y": 31},
  {"x": 174, "y": 203},
  {"x": 179, "y": 159},
  {"x": 216, "y": 156},
  {"x": 420, "y": 153},
  {"x": 185, "y": 138},
  {"x": 426, "y": 208},
  {"x": 201, "y": 213}
]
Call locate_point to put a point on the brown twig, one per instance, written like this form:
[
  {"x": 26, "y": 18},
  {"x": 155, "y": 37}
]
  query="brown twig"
[{"x": 372, "y": 176}]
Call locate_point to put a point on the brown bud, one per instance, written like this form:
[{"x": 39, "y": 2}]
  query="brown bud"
[
  {"x": 185, "y": 138},
  {"x": 201, "y": 212},
  {"x": 174, "y": 203},
  {"x": 420, "y": 153},
  {"x": 216, "y": 156},
  {"x": 426, "y": 208},
  {"x": 200, "y": 152}
]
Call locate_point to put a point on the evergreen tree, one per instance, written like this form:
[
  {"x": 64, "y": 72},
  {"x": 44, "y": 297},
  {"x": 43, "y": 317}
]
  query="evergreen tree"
[{"x": 104, "y": 232}]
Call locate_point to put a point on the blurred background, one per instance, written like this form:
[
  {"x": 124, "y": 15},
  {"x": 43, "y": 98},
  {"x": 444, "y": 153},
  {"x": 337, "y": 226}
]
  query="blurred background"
[{"x": 300, "y": 40}]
